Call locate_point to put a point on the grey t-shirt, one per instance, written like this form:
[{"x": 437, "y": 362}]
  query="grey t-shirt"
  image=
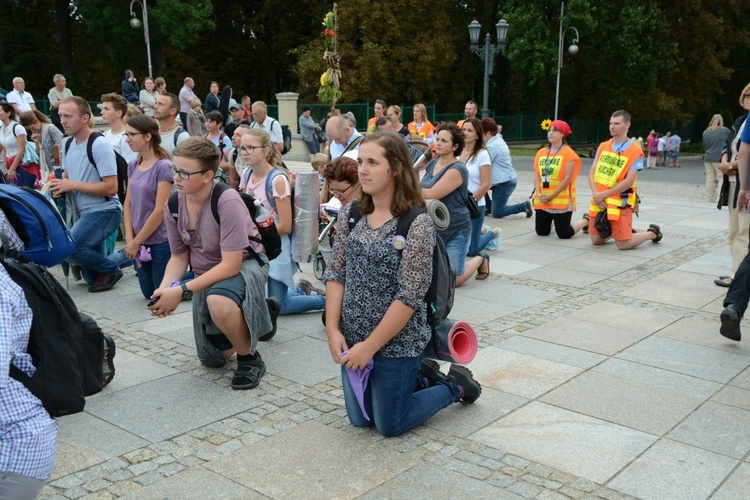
[
  {"x": 714, "y": 142},
  {"x": 168, "y": 142},
  {"x": 80, "y": 169}
]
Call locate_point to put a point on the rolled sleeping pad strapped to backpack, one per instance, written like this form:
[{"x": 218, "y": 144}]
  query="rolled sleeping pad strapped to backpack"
[
  {"x": 454, "y": 341},
  {"x": 306, "y": 216},
  {"x": 441, "y": 217}
]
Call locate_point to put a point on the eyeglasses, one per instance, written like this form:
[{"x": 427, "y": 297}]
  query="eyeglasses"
[
  {"x": 132, "y": 134},
  {"x": 745, "y": 96},
  {"x": 249, "y": 149},
  {"x": 182, "y": 174},
  {"x": 337, "y": 193}
]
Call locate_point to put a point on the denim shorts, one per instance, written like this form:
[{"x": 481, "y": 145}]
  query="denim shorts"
[
  {"x": 457, "y": 249},
  {"x": 232, "y": 288}
]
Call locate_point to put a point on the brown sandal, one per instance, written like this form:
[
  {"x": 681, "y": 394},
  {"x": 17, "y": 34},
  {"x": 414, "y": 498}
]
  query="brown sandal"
[
  {"x": 585, "y": 228},
  {"x": 653, "y": 228},
  {"x": 482, "y": 275}
]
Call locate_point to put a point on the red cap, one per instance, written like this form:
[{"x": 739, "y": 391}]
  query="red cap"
[{"x": 563, "y": 127}]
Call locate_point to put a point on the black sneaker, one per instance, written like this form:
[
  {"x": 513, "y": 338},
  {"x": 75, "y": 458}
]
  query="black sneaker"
[
  {"x": 108, "y": 364},
  {"x": 730, "y": 323},
  {"x": 431, "y": 371},
  {"x": 274, "y": 307},
  {"x": 470, "y": 388},
  {"x": 528, "y": 208},
  {"x": 105, "y": 282}
]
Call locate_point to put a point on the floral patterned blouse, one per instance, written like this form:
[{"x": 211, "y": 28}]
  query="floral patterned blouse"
[{"x": 375, "y": 274}]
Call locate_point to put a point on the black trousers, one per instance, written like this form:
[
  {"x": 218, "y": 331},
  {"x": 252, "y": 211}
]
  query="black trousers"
[
  {"x": 563, "y": 228},
  {"x": 739, "y": 290}
]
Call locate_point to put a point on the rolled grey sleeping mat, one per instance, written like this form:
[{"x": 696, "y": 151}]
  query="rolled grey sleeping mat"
[
  {"x": 441, "y": 217},
  {"x": 306, "y": 210}
]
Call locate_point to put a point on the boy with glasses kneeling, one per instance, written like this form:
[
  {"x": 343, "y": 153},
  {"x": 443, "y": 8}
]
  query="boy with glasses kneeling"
[{"x": 228, "y": 292}]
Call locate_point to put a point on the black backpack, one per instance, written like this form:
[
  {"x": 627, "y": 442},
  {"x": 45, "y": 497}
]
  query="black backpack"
[
  {"x": 66, "y": 347},
  {"x": 122, "y": 164},
  {"x": 269, "y": 235},
  {"x": 440, "y": 294},
  {"x": 286, "y": 133}
]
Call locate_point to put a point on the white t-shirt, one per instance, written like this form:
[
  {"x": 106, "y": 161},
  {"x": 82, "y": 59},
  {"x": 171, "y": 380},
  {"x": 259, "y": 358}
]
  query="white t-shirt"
[
  {"x": 482, "y": 157},
  {"x": 9, "y": 140},
  {"x": 661, "y": 144},
  {"x": 120, "y": 145},
  {"x": 22, "y": 101},
  {"x": 167, "y": 142}
]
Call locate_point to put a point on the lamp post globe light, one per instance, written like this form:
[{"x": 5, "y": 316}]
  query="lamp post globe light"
[
  {"x": 573, "y": 50},
  {"x": 488, "y": 52},
  {"x": 135, "y": 23}
]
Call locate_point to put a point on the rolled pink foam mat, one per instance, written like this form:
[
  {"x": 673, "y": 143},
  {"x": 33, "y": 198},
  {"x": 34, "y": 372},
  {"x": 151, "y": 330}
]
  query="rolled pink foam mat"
[{"x": 454, "y": 341}]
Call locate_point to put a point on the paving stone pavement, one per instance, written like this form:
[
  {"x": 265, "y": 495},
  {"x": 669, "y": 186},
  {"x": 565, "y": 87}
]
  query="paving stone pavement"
[{"x": 604, "y": 376}]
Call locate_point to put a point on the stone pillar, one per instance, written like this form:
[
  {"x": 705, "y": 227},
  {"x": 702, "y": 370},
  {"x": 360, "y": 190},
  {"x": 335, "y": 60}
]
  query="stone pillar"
[{"x": 288, "y": 110}]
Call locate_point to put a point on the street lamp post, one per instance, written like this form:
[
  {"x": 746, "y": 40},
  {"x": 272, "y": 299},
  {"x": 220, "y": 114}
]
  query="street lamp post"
[
  {"x": 136, "y": 23},
  {"x": 488, "y": 53},
  {"x": 573, "y": 49}
]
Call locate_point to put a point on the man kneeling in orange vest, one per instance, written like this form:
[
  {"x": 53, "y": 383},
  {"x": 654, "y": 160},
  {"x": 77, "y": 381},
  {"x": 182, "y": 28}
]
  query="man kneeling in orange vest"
[{"x": 613, "y": 178}]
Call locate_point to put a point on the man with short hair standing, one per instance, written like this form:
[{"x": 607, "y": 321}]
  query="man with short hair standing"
[
  {"x": 612, "y": 179},
  {"x": 343, "y": 137},
  {"x": 165, "y": 112},
  {"x": 307, "y": 128},
  {"x": 19, "y": 98},
  {"x": 270, "y": 125},
  {"x": 674, "y": 142},
  {"x": 114, "y": 107},
  {"x": 238, "y": 118},
  {"x": 55, "y": 95},
  {"x": 94, "y": 188},
  {"x": 470, "y": 111},
  {"x": 186, "y": 95}
]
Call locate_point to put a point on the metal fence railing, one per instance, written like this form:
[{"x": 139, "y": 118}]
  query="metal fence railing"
[{"x": 515, "y": 128}]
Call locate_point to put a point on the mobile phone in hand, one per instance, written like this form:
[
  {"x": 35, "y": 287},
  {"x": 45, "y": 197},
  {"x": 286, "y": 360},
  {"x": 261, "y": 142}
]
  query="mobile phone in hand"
[{"x": 154, "y": 301}]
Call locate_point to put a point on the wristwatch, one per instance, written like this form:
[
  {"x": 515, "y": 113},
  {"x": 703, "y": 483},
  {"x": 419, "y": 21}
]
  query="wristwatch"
[{"x": 186, "y": 294}]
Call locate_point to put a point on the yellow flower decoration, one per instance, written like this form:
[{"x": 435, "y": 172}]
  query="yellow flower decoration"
[
  {"x": 546, "y": 124},
  {"x": 324, "y": 79}
]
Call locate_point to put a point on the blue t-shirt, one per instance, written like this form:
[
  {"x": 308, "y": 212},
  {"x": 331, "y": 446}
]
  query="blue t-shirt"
[
  {"x": 79, "y": 169},
  {"x": 745, "y": 135},
  {"x": 225, "y": 141},
  {"x": 637, "y": 165}
]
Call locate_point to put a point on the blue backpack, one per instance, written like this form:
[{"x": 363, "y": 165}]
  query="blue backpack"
[{"x": 46, "y": 239}]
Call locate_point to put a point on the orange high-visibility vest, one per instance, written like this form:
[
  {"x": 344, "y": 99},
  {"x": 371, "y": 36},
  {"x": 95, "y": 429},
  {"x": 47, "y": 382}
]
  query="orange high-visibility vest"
[
  {"x": 371, "y": 125},
  {"x": 556, "y": 173},
  {"x": 424, "y": 132},
  {"x": 612, "y": 167}
]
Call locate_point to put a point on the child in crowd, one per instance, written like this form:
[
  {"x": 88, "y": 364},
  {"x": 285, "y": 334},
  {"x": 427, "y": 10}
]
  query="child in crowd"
[
  {"x": 149, "y": 186},
  {"x": 229, "y": 307},
  {"x": 266, "y": 180}
]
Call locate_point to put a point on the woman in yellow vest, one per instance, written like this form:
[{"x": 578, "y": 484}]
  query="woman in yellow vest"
[{"x": 556, "y": 168}]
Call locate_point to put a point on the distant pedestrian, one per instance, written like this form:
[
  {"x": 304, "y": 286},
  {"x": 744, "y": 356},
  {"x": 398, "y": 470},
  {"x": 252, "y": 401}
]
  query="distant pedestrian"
[
  {"x": 130, "y": 87},
  {"x": 19, "y": 98},
  {"x": 653, "y": 150},
  {"x": 308, "y": 129},
  {"x": 212, "y": 98},
  {"x": 55, "y": 95},
  {"x": 380, "y": 109},
  {"x": 186, "y": 95},
  {"x": 714, "y": 141},
  {"x": 147, "y": 96},
  {"x": 662, "y": 148},
  {"x": 673, "y": 148}
]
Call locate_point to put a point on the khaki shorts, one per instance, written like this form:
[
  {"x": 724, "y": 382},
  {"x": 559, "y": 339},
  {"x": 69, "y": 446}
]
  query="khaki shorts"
[{"x": 622, "y": 228}]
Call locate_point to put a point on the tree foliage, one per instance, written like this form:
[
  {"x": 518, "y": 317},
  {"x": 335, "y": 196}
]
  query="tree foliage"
[{"x": 656, "y": 58}]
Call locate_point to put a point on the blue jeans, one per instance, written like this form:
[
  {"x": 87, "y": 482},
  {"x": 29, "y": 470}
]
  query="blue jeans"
[
  {"x": 294, "y": 301},
  {"x": 478, "y": 240},
  {"x": 395, "y": 399},
  {"x": 500, "y": 195},
  {"x": 150, "y": 273},
  {"x": 89, "y": 233},
  {"x": 457, "y": 248}
]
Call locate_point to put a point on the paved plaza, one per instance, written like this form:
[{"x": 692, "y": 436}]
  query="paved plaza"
[{"x": 603, "y": 373}]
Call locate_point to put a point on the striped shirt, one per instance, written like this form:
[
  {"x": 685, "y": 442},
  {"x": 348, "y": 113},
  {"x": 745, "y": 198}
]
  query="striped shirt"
[{"x": 27, "y": 432}]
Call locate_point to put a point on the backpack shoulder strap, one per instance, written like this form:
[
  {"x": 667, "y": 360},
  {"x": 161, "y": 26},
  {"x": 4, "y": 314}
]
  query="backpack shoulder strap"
[
  {"x": 90, "y": 149},
  {"x": 68, "y": 143},
  {"x": 354, "y": 215},
  {"x": 275, "y": 172},
  {"x": 173, "y": 205},
  {"x": 177, "y": 134},
  {"x": 235, "y": 153},
  {"x": 353, "y": 144},
  {"x": 215, "y": 195},
  {"x": 404, "y": 223}
]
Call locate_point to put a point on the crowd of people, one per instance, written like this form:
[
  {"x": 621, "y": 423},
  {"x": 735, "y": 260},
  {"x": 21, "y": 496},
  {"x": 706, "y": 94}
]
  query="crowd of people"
[{"x": 189, "y": 237}]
